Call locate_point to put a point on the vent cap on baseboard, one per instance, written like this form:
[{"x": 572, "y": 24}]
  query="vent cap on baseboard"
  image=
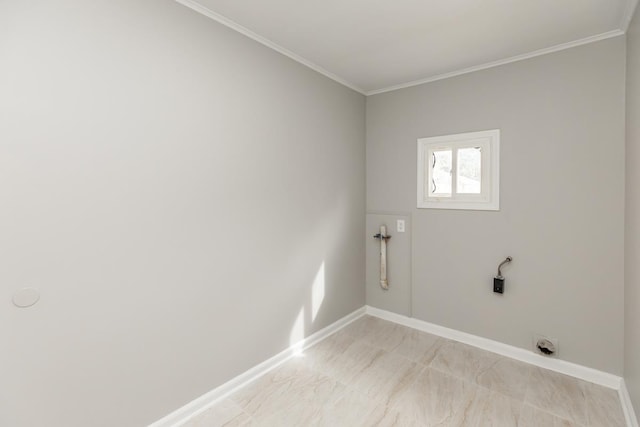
[{"x": 545, "y": 346}]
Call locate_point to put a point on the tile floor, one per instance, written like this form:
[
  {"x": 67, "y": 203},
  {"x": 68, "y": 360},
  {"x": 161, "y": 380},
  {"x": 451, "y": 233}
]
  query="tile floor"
[{"x": 377, "y": 373}]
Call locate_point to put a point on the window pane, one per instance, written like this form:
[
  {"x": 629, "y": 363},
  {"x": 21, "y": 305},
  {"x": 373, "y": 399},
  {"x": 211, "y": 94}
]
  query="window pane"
[
  {"x": 469, "y": 170},
  {"x": 441, "y": 172}
]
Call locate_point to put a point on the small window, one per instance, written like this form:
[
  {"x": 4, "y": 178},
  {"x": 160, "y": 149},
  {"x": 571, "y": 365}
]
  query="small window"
[{"x": 459, "y": 171}]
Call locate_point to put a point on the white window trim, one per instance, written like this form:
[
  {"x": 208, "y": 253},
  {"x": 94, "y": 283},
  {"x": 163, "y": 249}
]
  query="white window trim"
[{"x": 489, "y": 199}]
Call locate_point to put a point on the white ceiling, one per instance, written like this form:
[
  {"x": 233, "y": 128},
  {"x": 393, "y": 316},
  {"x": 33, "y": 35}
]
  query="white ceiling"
[{"x": 378, "y": 45}]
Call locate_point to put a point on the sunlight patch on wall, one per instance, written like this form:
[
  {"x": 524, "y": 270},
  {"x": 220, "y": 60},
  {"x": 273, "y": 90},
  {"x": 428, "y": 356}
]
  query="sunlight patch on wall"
[
  {"x": 297, "y": 333},
  {"x": 317, "y": 292}
]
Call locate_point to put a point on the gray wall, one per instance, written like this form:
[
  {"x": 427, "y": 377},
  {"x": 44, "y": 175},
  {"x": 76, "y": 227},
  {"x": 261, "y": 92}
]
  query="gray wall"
[
  {"x": 632, "y": 230},
  {"x": 173, "y": 189},
  {"x": 562, "y": 200}
]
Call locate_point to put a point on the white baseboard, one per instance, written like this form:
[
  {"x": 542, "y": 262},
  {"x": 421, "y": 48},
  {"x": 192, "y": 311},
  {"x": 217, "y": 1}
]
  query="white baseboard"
[
  {"x": 578, "y": 371},
  {"x": 207, "y": 400},
  {"x": 627, "y": 406},
  {"x": 562, "y": 366},
  {"x": 204, "y": 402}
]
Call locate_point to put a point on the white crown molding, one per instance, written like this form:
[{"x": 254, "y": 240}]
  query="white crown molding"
[
  {"x": 562, "y": 366},
  {"x": 181, "y": 415},
  {"x": 627, "y": 406},
  {"x": 540, "y": 52},
  {"x": 628, "y": 14},
  {"x": 192, "y": 4}
]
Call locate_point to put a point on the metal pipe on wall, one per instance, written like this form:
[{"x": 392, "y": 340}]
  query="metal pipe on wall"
[{"x": 382, "y": 235}]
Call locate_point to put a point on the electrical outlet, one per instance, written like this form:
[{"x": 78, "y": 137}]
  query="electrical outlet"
[
  {"x": 400, "y": 225},
  {"x": 546, "y": 346}
]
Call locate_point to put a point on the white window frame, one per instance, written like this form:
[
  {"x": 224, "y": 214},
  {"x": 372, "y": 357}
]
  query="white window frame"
[{"x": 489, "y": 198}]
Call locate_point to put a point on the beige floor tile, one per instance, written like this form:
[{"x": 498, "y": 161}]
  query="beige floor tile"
[
  {"x": 396, "y": 418},
  {"x": 433, "y": 399},
  {"x": 288, "y": 387},
  {"x": 377, "y": 333},
  {"x": 387, "y": 377},
  {"x": 418, "y": 346},
  {"x": 461, "y": 360},
  {"x": 346, "y": 366},
  {"x": 506, "y": 376},
  {"x": 352, "y": 409},
  {"x": 301, "y": 414},
  {"x": 364, "y": 325},
  {"x": 603, "y": 407},
  {"x": 376, "y": 373},
  {"x": 558, "y": 394},
  {"x": 489, "y": 409},
  {"x": 224, "y": 414},
  {"x": 332, "y": 345},
  {"x": 327, "y": 350},
  {"x": 534, "y": 417}
]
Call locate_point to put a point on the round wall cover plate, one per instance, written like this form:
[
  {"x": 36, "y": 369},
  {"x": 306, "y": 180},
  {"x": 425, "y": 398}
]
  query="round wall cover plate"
[{"x": 26, "y": 297}]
